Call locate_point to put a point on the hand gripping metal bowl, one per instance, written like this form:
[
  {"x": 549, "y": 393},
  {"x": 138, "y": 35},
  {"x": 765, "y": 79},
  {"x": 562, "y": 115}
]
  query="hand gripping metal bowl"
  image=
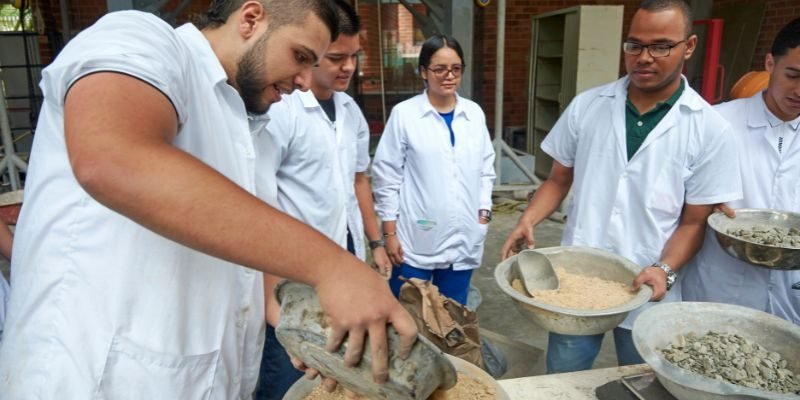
[
  {"x": 303, "y": 332},
  {"x": 762, "y": 255},
  {"x": 302, "y": 388},
  {"x": 578, "y": 260},
  {"x": 661, "y": 324}
]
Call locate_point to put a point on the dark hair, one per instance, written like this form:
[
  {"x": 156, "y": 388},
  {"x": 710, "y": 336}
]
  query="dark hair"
[
  {"x": 279, "y": 12},
  {"x": 349, "y": 22},
  {"x": 787, "y": 39},
  {"x": 661, "y": 5},
  {"x": 434, "y": 44}
]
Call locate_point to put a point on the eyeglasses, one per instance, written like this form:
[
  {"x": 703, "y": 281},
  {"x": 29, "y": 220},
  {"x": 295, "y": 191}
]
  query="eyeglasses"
[
  {"x": 441, "y": 71},
  {"x": 657, "y": 50}
]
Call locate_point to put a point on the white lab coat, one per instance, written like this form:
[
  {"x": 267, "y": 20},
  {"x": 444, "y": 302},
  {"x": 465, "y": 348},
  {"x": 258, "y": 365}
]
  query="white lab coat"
[
  {"x": 769, "y": 180},
  {"x": 316, "y": 163},
  {"x": 632, "y": 207},
  {"x": 433, "y": 189},
  {"x": 103, "y": 308}
]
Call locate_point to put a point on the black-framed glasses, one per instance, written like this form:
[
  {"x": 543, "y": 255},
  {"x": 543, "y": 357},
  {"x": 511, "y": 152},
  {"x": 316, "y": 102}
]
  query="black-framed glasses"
[
  {"x": 441, "y": 71},
  {"x": 657, "y": 50}
]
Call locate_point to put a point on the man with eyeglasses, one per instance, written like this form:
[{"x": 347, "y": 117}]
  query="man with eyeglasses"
[
  {"x": 646, "y": 158},
  {"x": 765, "y": 129}
]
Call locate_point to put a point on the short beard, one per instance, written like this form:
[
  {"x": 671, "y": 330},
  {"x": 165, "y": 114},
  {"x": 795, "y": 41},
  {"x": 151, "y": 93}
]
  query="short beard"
[{"x": 251, "y": 77}]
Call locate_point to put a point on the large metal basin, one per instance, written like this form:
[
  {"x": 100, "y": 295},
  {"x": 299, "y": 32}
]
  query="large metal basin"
[
  {"x": 762, "y": 255},
  {"x": 304, "y": 387},
  {"x": 303, "y": 331},
  {"x": 578, "y": 260},
  {"x": 659, "y": 326}
]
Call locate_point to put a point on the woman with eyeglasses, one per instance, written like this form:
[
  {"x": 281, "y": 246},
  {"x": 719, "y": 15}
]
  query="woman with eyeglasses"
[{"x": 433, "y": 175}]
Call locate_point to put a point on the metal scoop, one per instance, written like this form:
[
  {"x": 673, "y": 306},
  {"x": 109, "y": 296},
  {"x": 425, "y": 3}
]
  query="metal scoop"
[{"x": 537, "y": 272}]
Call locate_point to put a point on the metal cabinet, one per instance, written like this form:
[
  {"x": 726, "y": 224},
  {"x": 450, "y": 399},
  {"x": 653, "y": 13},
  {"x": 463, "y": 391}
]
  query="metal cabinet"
[{"x": 572, "y": 50}]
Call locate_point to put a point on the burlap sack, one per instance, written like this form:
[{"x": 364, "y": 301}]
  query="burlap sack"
[{"x": 445, "y": 322}]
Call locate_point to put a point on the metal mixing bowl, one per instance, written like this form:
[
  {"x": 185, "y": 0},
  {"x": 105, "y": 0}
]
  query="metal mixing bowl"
[
  {"x": 659, "y": 326},
  {"x": 762, "y": 255},
  {"x": 303, "y": 331},
  {"x": 577, "y": 260},
  {"x": 304, "y": 387}
]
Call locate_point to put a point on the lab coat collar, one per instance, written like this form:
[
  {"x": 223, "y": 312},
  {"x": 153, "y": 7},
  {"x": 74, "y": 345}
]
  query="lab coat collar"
[
  {"x": 426, "y": 107},
  {"x": 759, "y": 116},
  {"x": 619, "y": 91},
  {"x": 206, "y": 58},
  {"x": 310, "y": 101},
  {"x": 689, "y": 98}
]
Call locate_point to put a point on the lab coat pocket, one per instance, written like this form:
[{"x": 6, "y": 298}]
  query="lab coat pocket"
[
  {"x": 665, "y": 196},
  {"x": 480, "y": 234},
  {"x": 133, "y": 372},
  {"x": 426, "y": 237}
]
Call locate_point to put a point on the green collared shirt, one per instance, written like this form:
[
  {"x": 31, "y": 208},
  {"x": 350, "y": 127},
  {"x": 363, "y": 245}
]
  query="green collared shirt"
[{"x": 637, "y": 126}]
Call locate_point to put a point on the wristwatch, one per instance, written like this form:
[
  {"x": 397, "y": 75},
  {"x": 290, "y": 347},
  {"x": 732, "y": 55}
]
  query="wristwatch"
[
  {"x": 485, "y": 214},
  {"x": 374, "y": 244},
  {"x": 671, "y": 276}
]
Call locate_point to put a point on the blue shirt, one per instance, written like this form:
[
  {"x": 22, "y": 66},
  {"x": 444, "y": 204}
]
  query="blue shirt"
[{"x": 448, "y": 119}]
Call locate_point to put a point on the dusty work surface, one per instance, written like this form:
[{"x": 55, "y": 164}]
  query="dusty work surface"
[{"x": 569, "y": 386}]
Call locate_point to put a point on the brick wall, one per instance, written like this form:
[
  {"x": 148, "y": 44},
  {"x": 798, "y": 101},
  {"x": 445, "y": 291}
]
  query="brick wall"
[{"x": 776, "y": 16}]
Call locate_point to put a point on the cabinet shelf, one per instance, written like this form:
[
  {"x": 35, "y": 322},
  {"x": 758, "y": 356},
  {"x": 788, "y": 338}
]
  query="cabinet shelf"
[{"x": 572, "y": 50}]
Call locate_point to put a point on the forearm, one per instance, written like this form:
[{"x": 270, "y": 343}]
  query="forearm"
[
  {"x": 687, "y": 239},
  {"x": 6, "y": 241},
  {"x": 545, "y": 201},
  {"x": 177, "y": 196},
  {"x": 389, "y": 227},
  {"x": 367, "y": 207}
]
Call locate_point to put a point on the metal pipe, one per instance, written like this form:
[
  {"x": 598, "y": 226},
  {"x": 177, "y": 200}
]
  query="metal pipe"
[
  {"x": 380, "y": 44},
  {"x": 498, "y": 88},
  {"x": 516, "y": 160},
  {"x": 10, "y": 162},
  {"x": 65, "y": 28}
]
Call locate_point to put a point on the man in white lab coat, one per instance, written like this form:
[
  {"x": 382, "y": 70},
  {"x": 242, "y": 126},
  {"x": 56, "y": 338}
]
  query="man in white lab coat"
[
  {"x": 317, "y": 145},
  {"x": 137, "y": 262},
  {"x": 765, "y": 128},
  {"x": 646, "y": 158}
]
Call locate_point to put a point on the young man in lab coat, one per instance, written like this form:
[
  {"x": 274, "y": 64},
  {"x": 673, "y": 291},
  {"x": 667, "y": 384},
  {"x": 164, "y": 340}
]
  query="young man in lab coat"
[
  {"x": 646, "y": 158},
  {"x": 138, "y": 255},
  {"x": 765, "y": 129},
  {"x": 317, "y": 144}
]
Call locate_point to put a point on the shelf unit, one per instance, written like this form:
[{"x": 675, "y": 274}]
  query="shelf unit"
[{"x": 572, "y": 50}]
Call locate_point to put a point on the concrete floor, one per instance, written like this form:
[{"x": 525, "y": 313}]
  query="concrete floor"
[{"x": 497, "y": 312}]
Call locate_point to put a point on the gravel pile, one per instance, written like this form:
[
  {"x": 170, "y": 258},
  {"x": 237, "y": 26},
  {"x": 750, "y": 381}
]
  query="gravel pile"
[{"x": 732, "y": 358}]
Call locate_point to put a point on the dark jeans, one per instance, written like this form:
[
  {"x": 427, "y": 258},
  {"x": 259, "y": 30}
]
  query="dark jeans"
[
  {"x": 568, "y": 353},
  {"x": 277, "y": 373},
  {"x": 452, "y": 284}
]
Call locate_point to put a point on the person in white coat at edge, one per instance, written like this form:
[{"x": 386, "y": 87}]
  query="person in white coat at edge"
[
  {"x": 315, "y": 152},
  {"x": 646, "y": 158},
  {"x": 137, "y": 262},
  {"x": 433, "y": 175},
  {"x": 765, "y": 128}
]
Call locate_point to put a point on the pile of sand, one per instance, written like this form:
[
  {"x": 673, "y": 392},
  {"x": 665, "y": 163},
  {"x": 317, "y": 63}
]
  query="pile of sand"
[
  {"x": 581, "y": 292},
  {"x": 467, "y": 388}
]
